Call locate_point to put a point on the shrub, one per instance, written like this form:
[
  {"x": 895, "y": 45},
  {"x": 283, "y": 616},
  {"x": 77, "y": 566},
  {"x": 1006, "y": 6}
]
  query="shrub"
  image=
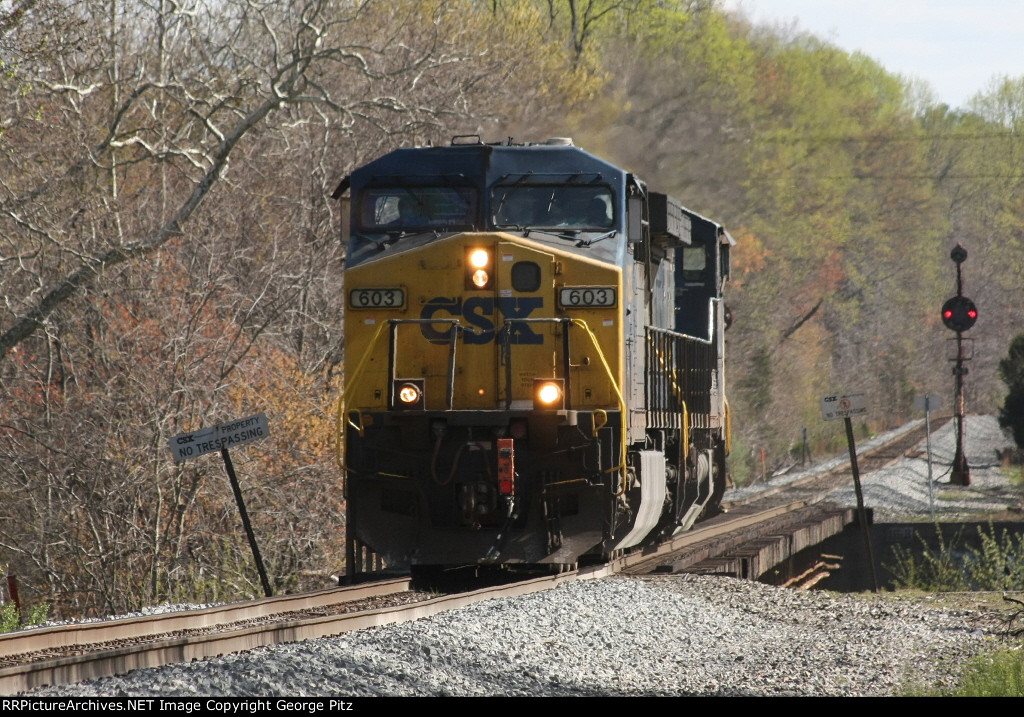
[
  {"x": 10, "y": 619},
  {"x": 1011, "y": 371},
  {"x": 998, "y": 564}
]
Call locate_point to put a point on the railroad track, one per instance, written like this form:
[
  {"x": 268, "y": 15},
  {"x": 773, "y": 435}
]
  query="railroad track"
[
  {"x": 72, "y": 653},
  {"x": 815, "y": 484},
  {"x": 736, "y": 542}
]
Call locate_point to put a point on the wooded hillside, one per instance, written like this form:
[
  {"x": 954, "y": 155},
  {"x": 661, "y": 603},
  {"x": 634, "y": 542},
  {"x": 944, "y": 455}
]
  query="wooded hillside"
[{"x": 170, "y": 254}]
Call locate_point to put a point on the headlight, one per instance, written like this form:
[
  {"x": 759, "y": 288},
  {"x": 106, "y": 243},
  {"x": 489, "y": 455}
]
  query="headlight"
[
  {"x": 479, "y": 258},
  {"x": 548, "y": 393},
  {"x": 407, "y": 394},
  {"x": 478, "y": 268}
]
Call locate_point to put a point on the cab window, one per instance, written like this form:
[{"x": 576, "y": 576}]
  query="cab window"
[
  {"x": 410, "y": 208},
  {"x": 694, "y": 263},
  {"x": 552, "y": 206}
]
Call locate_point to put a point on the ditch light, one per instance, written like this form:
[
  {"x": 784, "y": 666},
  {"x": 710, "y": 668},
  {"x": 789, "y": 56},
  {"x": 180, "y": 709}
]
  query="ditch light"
[{"x": 548, "y": 394}]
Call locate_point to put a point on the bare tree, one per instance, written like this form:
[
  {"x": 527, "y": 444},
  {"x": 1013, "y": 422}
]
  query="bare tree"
[{"x": 168, "y": 259}]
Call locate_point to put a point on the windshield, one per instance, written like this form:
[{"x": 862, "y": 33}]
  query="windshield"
[
  {"x": 385, "y": 209},
  {"x": 552, "y": 206}
]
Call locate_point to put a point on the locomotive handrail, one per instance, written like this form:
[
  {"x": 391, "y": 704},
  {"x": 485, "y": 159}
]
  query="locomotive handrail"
[
  {"x": 454, "y": 330},
  {"x": 686, "y": 433},
  {"x": 728, "y": 426},
  {"x": 506, "y": 351},
  {"x": 623, "y": 414},
  {"x": 674, "y": 359},
  {"x": 567, "y": 322},
  {"x": 392, "y": 325},
  {"x": 339, "y": 450},
  {"x": 669, "y": 369},
  {"x": 700, "y": 339}
]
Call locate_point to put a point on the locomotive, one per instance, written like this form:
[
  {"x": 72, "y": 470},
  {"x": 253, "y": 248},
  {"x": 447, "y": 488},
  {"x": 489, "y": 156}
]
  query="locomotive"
[{"x": 534, "y": 359}]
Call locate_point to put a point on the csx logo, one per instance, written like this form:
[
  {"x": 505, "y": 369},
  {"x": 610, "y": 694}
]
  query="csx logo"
[
  {"x": 187, "y": 438},
  {"x": 479, "y": 312}
]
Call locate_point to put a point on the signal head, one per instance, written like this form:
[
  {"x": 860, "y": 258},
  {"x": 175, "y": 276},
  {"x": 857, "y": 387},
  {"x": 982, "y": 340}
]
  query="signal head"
[{"x": 959, "y": 313}]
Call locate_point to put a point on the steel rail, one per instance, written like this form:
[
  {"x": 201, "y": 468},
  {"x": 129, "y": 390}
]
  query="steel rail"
[
  {"x": 158, "y": 639},
  {"x": 88, "y": 641},
  {"x": 117, "y": 660}
]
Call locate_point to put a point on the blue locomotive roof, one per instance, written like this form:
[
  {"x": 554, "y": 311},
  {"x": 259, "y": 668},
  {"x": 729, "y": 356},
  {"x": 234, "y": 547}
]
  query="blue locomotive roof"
[
  {"x": 486, "y": 164},
  {"x": 553, "y": 192}
]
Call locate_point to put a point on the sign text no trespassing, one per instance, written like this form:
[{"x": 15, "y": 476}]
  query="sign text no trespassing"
[
  {"x": 225, "y": 435},
  {"x": 835, "y": 406}
]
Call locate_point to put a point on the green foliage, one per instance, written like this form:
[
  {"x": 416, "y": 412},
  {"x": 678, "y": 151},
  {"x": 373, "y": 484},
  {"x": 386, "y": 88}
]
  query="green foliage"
[
  {"x": 756, "y": 382},
  {"x": 741, "y": 466},
  {"x": 10, "y": 619},
  {"x": 931, "y": 570},
  {"x": 1015, "y": 475},
  {"x": 998, "y": 564},
  {"x": 1011, "y": 370},
  {"x": 1000, "y": 674}
]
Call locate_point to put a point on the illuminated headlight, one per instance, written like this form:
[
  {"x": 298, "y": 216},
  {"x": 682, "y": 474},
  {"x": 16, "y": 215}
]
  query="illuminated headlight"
[
  {"x": 408, "y": 394},
  {"x": 548, "y": 393},
  {"x": 479, "y": 259},
  {"x": 478, "y": 268}
]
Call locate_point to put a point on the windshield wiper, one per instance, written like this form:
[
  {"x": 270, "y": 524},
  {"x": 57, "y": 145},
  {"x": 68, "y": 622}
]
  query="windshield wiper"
[
  {"x": 381, "y": 244},
  {"x": 595, "y": 240},
  {"x": 567, "y": 234},
  {"x": 393, "y": 237}
]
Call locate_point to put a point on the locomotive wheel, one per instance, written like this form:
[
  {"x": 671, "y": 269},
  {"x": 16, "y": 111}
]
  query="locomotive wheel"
[{"x": 719, "y": 479}]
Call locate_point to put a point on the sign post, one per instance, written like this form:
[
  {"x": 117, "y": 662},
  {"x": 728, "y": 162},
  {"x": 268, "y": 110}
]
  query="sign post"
[
  {"x": 833, "y": 407},
  {"x": 928, "y": 404},
  {"x": 220, "y": 437}
]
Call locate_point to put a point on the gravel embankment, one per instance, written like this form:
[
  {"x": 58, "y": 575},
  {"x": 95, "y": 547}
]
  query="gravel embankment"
[
  {"x": 900, "y": 492},
  {"x": 665, "y": 636},
  {"x": 680, "y": 635}
]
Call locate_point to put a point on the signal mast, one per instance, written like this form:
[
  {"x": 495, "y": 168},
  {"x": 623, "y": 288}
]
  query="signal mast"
[{"x": 959, "y": 314}]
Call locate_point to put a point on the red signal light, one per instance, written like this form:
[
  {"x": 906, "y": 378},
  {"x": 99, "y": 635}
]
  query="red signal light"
[{"x": 959, "y": 313}]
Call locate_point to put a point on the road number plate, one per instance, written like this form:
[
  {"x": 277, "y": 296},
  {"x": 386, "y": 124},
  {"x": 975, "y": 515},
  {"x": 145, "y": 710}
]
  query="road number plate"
[
  {"x": 586, "y": 296},
  {"x": 376, "y": 299}
]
